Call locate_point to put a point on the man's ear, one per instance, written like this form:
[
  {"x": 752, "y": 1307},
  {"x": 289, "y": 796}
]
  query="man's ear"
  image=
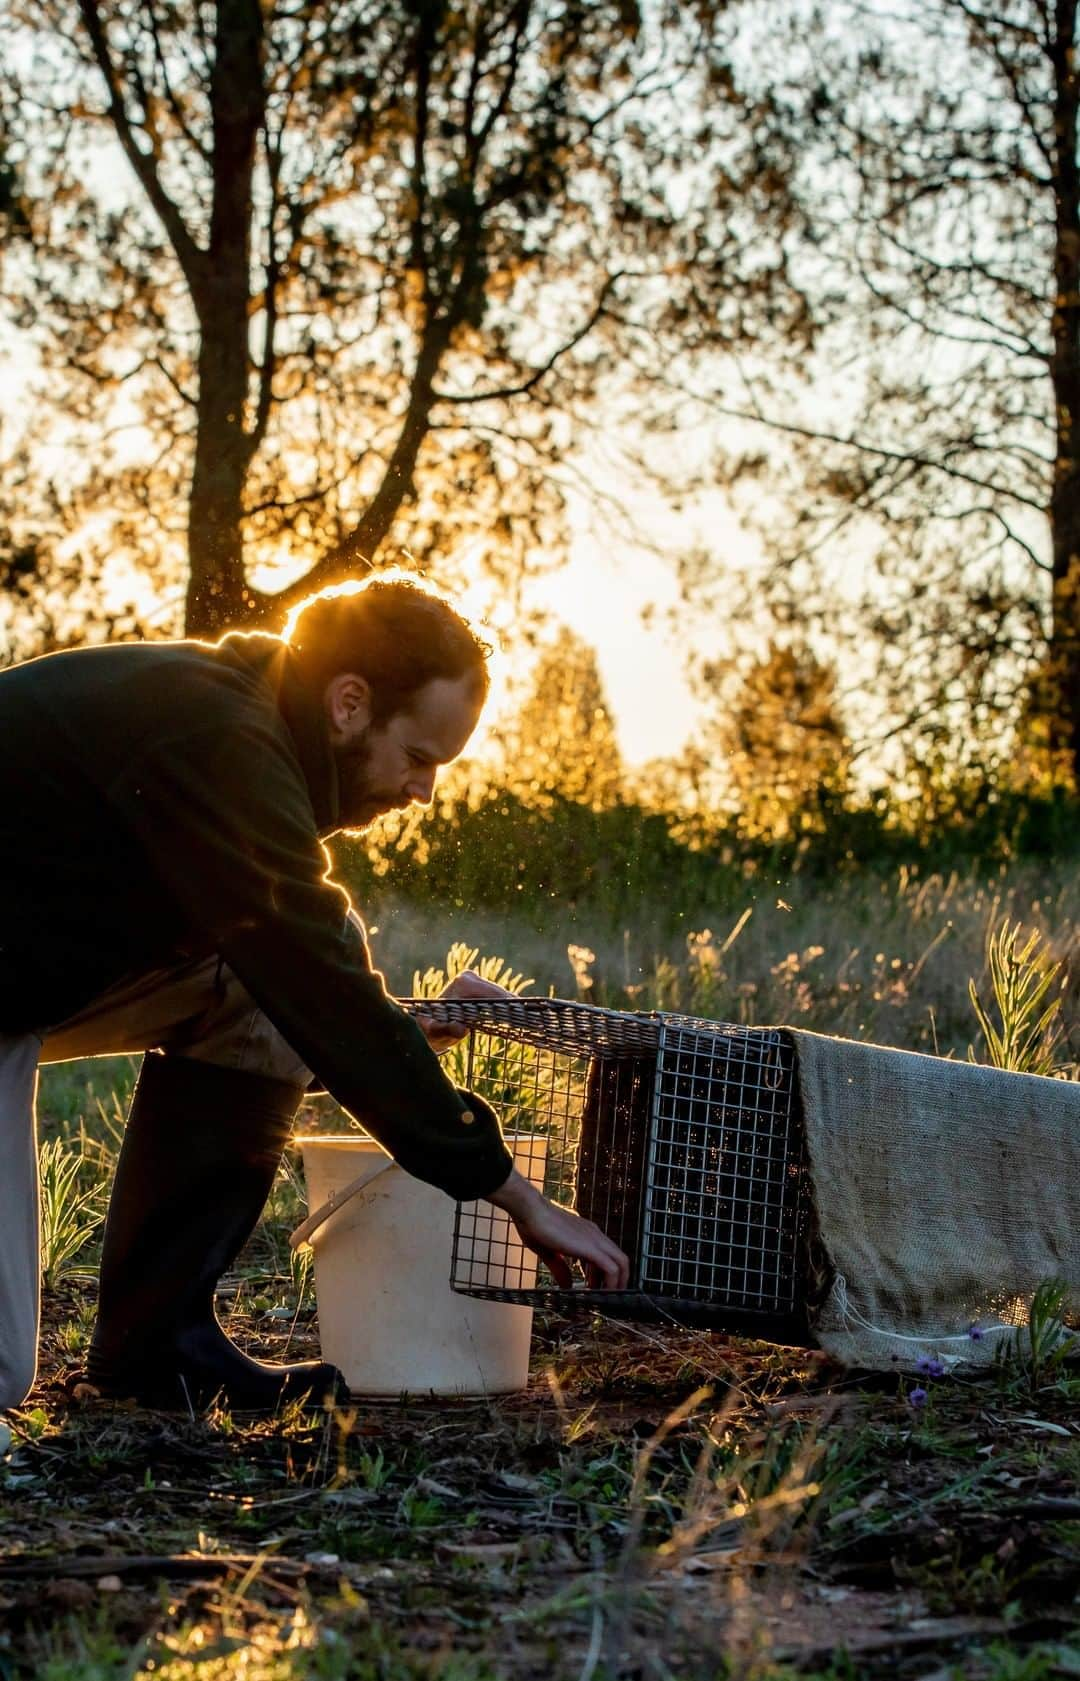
[{"x": 347, "y": 699}]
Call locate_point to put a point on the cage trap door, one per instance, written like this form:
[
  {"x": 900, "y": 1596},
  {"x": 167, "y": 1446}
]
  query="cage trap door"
[
  {"x": 726, "y": 1181},
  {"x": 612, "y": 1147}
]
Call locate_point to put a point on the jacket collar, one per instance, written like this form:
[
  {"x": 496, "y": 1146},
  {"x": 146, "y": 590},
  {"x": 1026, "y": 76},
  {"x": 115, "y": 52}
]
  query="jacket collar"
[{"x": 303, "y": 716}]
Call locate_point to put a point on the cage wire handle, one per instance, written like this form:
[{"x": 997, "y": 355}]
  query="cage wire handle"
[{"x": 337, "y": 1199}]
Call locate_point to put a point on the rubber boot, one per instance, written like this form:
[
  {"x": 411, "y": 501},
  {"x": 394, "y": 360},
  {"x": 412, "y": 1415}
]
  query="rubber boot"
[{"x": 199, "y": 1156}]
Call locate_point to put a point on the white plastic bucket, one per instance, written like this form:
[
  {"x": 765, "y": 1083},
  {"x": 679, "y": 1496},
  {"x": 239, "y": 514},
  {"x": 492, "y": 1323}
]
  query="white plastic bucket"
[{"x": 387, "y": 1315}]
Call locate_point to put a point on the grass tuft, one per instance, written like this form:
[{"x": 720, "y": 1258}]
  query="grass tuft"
[{"x": 72, "y": 1207}]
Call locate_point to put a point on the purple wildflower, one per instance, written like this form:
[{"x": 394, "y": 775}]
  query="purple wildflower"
[
  {"x": 928, "y": 1366},
  {"x": 918, "y": 1398},
  {"x": 976, "y": 1333}
]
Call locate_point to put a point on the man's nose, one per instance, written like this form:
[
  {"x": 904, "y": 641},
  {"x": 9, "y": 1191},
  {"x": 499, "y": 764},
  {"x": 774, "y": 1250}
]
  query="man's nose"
[{"x": 421, "y": 786}]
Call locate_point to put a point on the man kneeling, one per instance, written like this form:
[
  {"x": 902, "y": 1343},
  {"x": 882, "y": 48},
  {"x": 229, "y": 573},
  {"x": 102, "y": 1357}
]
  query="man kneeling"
[{"x": 164, "y": 888}]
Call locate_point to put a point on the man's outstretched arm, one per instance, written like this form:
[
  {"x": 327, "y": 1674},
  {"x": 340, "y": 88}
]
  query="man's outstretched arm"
[{"x": 554, "y": 1233}]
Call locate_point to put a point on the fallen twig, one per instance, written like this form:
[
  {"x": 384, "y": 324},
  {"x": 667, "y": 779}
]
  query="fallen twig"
[{"x": 154, "y": 1564}]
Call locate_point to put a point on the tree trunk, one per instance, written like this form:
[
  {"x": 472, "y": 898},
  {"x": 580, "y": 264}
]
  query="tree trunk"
[
  {"x": 217, "y": 594},
  {"x": 1065, "y": 378},
  {"x": 353, "y": 555}
]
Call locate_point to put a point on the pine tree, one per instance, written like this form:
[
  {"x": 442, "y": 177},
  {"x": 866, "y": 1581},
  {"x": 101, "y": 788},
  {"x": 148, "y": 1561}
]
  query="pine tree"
[
  {"x": 779, "y": 743},
  {"x": 562, "y": 743}
]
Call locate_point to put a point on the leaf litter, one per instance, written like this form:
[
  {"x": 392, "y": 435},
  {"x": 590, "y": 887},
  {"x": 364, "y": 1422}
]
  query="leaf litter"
[{"x": 672, "y": 1504}]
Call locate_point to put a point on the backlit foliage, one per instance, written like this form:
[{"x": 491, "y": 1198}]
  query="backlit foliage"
[
  {"x": 930, "y": 464},
  {"x": 779, "y": 743},
  {"x": 562, "y": 743},
  {"x": 314, "y": 285}
]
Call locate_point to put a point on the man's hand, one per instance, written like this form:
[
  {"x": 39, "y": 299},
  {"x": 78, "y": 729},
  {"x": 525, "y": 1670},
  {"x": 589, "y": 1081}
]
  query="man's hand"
[
  {"x": 558, "y": 1236},
  {"x": 443, "y": 1036}
]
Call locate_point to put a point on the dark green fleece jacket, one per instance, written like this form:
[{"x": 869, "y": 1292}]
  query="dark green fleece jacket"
[{"x": 161, "y": 801}]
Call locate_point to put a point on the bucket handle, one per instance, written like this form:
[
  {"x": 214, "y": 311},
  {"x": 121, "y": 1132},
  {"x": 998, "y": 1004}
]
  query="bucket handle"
[{"x": 337, "y": 1199}]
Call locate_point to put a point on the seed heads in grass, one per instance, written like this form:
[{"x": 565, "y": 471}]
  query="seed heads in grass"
[
  {"x": 578, "y": 1426},
  {"x": 757, "y": 1489},
  {"x": 460, "y": 958}
]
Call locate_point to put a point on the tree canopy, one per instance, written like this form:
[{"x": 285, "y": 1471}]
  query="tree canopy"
[
  {"x": 931, "y": 468},
  {"x": 312, "y": 286},
  {"x": 304, "y": 289},
  {"x": 562, "y": 742}
]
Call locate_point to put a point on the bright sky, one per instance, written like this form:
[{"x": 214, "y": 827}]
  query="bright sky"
[{"x": 600, "y": 596}]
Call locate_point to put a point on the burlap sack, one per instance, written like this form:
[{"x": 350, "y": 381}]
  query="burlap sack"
[{"x": 946, "y": 1194}]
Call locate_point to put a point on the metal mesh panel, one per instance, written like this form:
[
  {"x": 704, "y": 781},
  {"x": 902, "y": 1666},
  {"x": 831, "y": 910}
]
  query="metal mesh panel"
[
  {"x": 681, "y": 1138},
  {"x": 538, "y": 1094},
  {"x": 553, "y": 1024},
  {"x": 612, "y": 1147},
  {"x": 723, "y": 1175}
]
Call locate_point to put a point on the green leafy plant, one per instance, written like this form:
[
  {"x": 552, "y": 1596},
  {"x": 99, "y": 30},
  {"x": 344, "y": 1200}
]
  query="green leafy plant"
[
  {"x": 300, "y": 1275},
  {"x": 71, "y": 1209},
  {"x": 374, "y": 1470},
  {"x": 1028, "y": 1034},
  {"x": 1038, "y": 1350},
  {"x": 73, "y": 1335},
  {"x": 504, "y": 1072},
  {"x": 433, "y": 981}
]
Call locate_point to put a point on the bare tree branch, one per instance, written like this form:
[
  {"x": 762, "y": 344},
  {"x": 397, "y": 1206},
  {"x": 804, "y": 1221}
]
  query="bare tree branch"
[{"x": 188, "y": 254}]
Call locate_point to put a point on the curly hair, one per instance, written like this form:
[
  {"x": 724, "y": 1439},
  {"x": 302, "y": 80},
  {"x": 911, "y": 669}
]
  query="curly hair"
[{"x": 397, "y": 633}]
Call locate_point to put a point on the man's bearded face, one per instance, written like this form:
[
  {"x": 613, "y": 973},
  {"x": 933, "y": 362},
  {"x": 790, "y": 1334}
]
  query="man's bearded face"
[
  {"x": 394, "y": 764},
  {"x": 361, "y": 800}
]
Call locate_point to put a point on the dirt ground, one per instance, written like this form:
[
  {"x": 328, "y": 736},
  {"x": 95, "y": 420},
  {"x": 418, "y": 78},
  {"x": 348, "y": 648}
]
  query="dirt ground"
[{"x": 656, "y": 1504}]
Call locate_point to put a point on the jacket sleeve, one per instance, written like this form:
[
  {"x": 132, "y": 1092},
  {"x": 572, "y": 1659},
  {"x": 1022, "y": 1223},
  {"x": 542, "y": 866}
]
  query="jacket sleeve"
[{"x": 226, "y": 822}]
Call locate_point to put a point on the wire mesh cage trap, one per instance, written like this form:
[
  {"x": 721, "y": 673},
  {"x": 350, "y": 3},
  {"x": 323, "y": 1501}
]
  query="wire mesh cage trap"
[{"x": 681, "y": 1138}]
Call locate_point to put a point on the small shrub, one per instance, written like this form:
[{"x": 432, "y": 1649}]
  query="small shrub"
[{"x": 1028, "y": 1035}]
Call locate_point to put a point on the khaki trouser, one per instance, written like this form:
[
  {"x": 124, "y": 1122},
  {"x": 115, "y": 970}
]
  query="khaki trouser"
[{"x": 199, "y": 1010}]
